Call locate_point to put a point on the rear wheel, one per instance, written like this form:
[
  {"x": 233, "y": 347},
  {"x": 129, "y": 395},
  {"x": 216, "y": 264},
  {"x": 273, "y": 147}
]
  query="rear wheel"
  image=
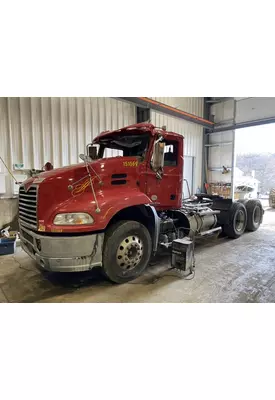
[
  {"x": 243, "y": 201},
  {"x": 127, "y": 251},
  {"x": 254, "y": 214},
  {"x": 237, "y": 220}
]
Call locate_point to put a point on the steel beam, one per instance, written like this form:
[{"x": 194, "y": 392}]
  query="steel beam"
[
  {"x": 166, "y": 109},
  {"x": 216, "y": 100},
  {"x": 205, "y": 153},
  {"x": 240, "y": 125}
]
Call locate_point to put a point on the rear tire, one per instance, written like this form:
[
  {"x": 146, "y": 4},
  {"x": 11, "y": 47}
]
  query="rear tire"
[
  {"x": 127, "y": 251},
  {"x": 236, "y": 222},
  {"x": 244, "y": 201},
  {"x": 254, "y": 214}
]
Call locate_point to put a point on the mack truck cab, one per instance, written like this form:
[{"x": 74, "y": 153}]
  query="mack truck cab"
[{"x": 121, "y": 205}]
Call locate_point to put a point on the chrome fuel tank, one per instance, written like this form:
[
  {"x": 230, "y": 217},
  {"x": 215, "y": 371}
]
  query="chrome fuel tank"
[{"x": 201, "y": 222}]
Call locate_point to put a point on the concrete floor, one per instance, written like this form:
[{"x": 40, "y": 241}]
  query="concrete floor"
[{"x": 241, "y": 270}]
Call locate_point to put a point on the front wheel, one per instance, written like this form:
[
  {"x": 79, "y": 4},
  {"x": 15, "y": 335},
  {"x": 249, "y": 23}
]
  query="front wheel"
[{"x": 127, "y": 251}]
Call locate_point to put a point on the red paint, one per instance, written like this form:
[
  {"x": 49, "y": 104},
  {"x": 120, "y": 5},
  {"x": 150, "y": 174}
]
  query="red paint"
[{"x": 67, "y": 189}]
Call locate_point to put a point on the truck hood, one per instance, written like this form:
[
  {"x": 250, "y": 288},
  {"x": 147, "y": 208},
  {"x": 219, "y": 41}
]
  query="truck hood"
[
  {"x": 68, "y": 189},
  {"x": 69, "y": 174}
]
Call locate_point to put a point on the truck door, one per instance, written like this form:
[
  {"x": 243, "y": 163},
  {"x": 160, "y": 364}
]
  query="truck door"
[{"x": 167, "y": 192}]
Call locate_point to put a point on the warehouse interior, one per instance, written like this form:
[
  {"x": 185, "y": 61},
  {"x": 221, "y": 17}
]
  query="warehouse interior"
[{"x": 36, "y": 131}]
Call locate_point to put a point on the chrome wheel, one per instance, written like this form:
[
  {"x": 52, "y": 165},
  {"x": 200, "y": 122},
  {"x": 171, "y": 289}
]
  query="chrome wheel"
[
  {"x": 129, "y": 252},
  {"x": 240, "y": 221},
  {"x": 257, "y": 215}
]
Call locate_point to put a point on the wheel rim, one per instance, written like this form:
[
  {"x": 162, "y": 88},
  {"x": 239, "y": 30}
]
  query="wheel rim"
[
  {"x": 129, "y": 253},
  {"x": 240, "y": 221},
  {"x": 257, "y": 215}
]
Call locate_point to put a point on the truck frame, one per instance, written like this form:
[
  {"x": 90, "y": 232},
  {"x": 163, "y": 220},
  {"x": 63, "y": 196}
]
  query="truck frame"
[{"x": 121, "y": 205}]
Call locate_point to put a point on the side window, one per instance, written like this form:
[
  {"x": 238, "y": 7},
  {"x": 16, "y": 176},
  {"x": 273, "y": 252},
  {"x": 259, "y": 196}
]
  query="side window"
[{"x": 170, "y": 154}]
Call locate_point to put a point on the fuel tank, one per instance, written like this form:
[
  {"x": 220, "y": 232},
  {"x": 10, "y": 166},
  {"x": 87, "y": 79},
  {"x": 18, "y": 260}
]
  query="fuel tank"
[
  {"x": 193, "y": 223},
  {"x": 201, "y": 223}
]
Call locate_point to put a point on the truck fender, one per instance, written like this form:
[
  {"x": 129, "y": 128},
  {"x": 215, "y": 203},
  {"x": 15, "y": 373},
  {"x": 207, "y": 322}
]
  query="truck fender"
[{"x": 155, "y": 229}]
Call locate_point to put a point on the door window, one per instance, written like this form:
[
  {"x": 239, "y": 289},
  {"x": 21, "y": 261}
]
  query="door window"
[{"x": 171, "y": 154}]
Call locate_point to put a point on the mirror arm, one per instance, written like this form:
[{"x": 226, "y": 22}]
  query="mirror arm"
[
  {"x": 158, "y": 140},
  {"x": 159, "y": 174}
]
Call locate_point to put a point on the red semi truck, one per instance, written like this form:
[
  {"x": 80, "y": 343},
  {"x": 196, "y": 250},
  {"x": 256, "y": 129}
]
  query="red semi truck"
[{"x": 121, "y": 205}]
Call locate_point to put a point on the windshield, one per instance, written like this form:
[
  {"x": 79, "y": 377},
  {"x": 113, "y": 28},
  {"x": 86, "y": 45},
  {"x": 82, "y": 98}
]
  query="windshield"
[{"x": 125, "y": 145}]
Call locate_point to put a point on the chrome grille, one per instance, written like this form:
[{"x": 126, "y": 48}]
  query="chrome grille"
[{"x": 28, "y": 206}]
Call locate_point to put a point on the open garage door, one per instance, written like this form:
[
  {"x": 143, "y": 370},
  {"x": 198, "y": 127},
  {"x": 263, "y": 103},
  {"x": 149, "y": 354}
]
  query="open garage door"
[{"x": 229, "y": 116}]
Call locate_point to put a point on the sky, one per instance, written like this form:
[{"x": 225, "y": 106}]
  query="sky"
[{"x": 257, "y": 139}]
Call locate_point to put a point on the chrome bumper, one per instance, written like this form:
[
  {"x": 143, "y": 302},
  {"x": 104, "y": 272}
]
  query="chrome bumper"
[{"x": 63, "y": 254}]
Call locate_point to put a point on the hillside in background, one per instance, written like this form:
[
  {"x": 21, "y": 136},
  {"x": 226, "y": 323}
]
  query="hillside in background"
[{"x": 262, "y": 164}]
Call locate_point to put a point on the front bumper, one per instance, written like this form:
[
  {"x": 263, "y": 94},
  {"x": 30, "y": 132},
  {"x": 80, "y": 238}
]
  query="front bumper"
[{"x": 63, "y": 253}]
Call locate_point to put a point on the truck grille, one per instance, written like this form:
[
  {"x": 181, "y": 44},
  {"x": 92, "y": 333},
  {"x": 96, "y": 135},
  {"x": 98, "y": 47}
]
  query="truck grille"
[{"x": 28, "y": 206}]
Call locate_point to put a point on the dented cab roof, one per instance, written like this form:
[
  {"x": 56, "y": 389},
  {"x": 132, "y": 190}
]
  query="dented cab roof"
[{"x": 137, "y": 128}]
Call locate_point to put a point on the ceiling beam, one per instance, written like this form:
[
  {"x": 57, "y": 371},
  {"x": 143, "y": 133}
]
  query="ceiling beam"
[
  {"x": 240, "y": 125},
  {"x": 169, "y": 110},
  {"x": 216, "y": 100}
]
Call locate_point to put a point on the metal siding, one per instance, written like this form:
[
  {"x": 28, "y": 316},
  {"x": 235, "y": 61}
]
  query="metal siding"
[
  {"x": 223, "y": 112},
  {"x": 193, "y": 133},
  {"x": 188, "y": 174},
  {"x": 222, "y": 154},
  {"x": 36, "y": 130},
  {"x": 5, "y": 142}
]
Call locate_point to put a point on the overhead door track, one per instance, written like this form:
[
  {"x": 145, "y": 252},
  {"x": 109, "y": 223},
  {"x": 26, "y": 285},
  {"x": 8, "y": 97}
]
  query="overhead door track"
[{"x": 166, "y": 109}]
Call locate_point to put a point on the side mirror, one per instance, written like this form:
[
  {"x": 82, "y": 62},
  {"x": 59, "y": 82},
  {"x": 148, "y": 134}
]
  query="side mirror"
[
  {"x": 91, "y": 151},
  {"x": 158, "y": 156}
]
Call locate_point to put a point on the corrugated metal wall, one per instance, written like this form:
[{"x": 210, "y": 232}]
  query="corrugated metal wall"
[
  {"x": 36, "y": 130},
  {"x": 193, "y": 133}
]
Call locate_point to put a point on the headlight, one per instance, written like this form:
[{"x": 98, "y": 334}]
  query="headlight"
[{"x": 73, "y": 219}]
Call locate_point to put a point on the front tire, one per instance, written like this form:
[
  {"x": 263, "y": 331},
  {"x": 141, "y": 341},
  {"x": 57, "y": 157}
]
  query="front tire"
[{"x": 127, "y": 251}]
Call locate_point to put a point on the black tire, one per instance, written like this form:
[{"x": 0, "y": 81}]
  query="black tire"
[
  {"x": 254, "y": 214},
  {"x": 118, "y": 253},
  {"x": 243, "y": 201},
  {"x": 236, "y": 221}
]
